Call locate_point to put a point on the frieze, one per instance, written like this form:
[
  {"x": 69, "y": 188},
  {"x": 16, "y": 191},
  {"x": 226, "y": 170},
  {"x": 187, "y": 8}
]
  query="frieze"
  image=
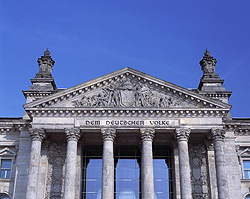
[{"x": 128, "y": 93}]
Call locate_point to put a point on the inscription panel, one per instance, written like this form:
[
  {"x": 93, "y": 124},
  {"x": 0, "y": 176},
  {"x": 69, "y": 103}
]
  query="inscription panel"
[{"x": 127, "y": 122}]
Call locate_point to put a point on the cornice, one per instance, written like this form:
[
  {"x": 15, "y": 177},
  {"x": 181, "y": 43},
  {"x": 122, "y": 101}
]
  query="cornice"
[
  {"x": 8, "y": 125},
  {"x": 37, "y": 94},
  {"x": 135, "y": 112},
  {"x": 217, "y": 95},
  {"x": 241, "y": 127}
]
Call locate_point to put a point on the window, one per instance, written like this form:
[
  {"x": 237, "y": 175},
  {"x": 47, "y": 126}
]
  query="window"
[
  {"x": 248, "y": 196},
  {"x": 4, "y": 196},
  {"x": 127, "y": 179},
  {"x": 92, "y": 172},
  {"x": 246, "y": 169},
  {"x": 127, "y": 172},
  {"x": 5, "y": 168},
  {"x": 162, "y": 163}
]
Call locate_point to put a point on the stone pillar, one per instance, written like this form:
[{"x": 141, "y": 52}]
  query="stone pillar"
[
  {"x": 218, "y": 136},
  {"x": 108, "y": 136},
  {"x": 72, "y": 135},
  {"x": 147, "y": 172},
  {"x": 182, "y": 135},
  {"x": 37, "y": 136}
]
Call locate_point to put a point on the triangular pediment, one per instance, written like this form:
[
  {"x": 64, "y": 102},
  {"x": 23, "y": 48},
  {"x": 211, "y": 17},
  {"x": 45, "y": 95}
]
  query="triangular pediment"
[
  {"x": 127, "y": 89},
  {"x": 7, "y": 152},
  {"x": 245, "y": 153}
]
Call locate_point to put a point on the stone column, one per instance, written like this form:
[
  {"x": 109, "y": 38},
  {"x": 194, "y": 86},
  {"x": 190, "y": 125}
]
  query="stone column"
[
  {"x": 147, "y": 172},
  {"x": 72, "y": 135},
  {"x": 37, "y": 136},
  {"x": 218, "y": 136},
  {"x": 182, "y": 135},
  {"x": 108, "y": 136}
]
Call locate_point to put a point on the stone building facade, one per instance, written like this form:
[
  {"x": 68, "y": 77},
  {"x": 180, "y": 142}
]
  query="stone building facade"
[{"x": 125, "y": 135}]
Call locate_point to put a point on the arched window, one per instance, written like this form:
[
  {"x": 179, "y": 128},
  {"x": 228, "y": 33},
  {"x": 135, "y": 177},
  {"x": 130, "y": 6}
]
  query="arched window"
[
  {"x": 4, "y": 196},
  {"x": 248, "y": 196}
]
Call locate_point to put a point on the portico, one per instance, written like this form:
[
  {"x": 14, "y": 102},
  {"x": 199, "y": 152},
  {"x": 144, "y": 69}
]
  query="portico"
[
  {"x": 144, "y": 136},
  {"x": 127, "y": 135}
]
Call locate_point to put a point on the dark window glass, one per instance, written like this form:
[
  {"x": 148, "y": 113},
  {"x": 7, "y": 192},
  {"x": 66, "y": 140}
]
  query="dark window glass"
[
  {"x": 163, "y": 172},
  {"x": 248, "y": 197},
  {"x": 246, "y": 168},
  {"x": 92, "y": 173},
  {"x": 5, "y": 168},
  {"x": 4, "y": 197},
  {"x": 127, "y": 172}
]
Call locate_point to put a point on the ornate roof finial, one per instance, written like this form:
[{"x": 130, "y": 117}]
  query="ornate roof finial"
[
  {"x": 208, "y": 65},
  {"x": 46, "y": 53},
  {"x": 46, "y": 64},
  {"x": 207, "y": 53}
]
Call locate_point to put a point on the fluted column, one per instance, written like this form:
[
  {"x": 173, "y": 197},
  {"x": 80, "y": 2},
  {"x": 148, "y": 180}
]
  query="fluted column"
[
  {"x": 182, "y": 135},
  {"x": 72, "y": 135},
  {"x": 37, "y": 136},
  {"x": 108, "y": 136},
  {"x": 218, "y": 136},
  {"x": 147, "y": 135}
]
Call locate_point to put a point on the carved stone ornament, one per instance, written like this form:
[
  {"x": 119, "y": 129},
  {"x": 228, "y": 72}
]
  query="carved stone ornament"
[
  {"x": 127, "y": 93},
  {"x": 72, "y": 134},
  {"x": 108, "y": 134},
  {"x": 199, "y": 174},
  {"x": 218, "y": 134},
  {"x": 56, "y": 171},
  {"x": 182, "y": 133},
  {"x": 37, "y": 134},
  {"x": 208, "y": 65},
  {"x": 147, "y": 134}
]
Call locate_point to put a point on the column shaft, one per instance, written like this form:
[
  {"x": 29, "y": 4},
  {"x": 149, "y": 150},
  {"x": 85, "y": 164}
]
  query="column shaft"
[
  {"x": 184, "y": 167},
  {"x": 108, "y": 136},
  {"x": 218, "y": 136},
  {"x": 37, "y": 135},
  {"x": 147, "y": 164},
  {"x": 73, "y": 136},
  {"x": 108, "y": 170}
]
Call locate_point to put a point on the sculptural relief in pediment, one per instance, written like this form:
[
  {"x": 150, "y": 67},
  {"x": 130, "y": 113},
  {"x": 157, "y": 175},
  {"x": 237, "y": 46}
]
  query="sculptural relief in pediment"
[{"x": 128, "y": 92}]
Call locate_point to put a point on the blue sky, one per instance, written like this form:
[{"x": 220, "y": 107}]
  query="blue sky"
[{"x": 88, "y": 39}]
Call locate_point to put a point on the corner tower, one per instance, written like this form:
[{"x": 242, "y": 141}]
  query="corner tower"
[
  {"x": 211, "y": 85},
  {"x": 43, "y": 84}
]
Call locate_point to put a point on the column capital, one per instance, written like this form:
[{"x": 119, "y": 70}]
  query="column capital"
[
  {"x": 37, "y": 134},
  {"x": 72, "y": 134},
  {"x": 108, "y": 134},
  {"x": 182, "y": 133},
  {"x": 218, "y": 134},
  {"x": 147, "y": 134}
]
